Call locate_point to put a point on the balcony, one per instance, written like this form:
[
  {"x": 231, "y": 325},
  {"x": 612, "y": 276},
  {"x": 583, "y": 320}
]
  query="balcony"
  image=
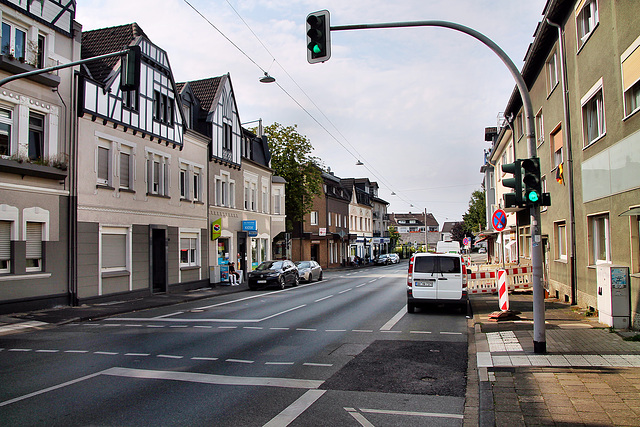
[{"x": 15, "y": 66}]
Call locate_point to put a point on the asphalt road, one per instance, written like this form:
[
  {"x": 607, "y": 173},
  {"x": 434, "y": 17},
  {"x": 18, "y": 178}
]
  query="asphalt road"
[{"x": 338, "y": 352}]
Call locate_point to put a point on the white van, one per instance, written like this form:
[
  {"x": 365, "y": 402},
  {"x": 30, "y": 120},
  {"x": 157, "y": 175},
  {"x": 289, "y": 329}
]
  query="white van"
[
  {"x": 448, "y": 247},
  {"x": 436, "y": 278}
]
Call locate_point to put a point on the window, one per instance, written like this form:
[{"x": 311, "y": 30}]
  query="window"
[
  {"x": 561, "y": 240},
  {"x": 525, "y": 242},
  {"x": 196, "y": 185},
  {"x": 276, "y": 202},
  {"x": 125, "y": 170},
  {"x": 36, "y": 136},
  {"x": 162, "y": 107},
  {"x": 552, "y": 71},
  {"x": 5, "y": 246},
  {"x": 157, "y": 174},
  {"x": 114, "y": 249},
  {"x": 539, "y": 128},
  {"x": 519, "y": 125},
  {"x": 314, "y": 218},
  {"x": 593, "y": 116},
  {"x": 556, "y": 143},
  {"x": 103, "y": 165},
  {"x": 14, "y": 41},
  {"x": 599, "y": 246},
  {"x": 34, "y": 246},
  {"x": 186, "y": 108},
  {"x": 189, "y": 243},
  {"x": 586, "y": 20},
  {"x": 183, "y": 183},
  {"x": 5, "y": 131},
  {"x": 40, "y": 54},
  {"x": 265, "y": 199},
  {"x": 630, "y": 62},
  {"x": 130, "y": 100}
]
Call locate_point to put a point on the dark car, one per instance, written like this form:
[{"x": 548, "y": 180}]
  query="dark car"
[
  {"x": 382, "y": 260},
  {"x": 309, "y": 270},
  {"x": 273, "y": 273}
]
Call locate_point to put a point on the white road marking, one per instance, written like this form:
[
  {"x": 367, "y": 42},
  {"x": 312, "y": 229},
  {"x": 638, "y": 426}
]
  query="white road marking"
[
  {"x": 179, "y": 326},
  {"x": 306, "y": 329},
  {"x": 169, "y": 356},
  {"x": 252, "y": 297},
  {"x": 133, "y": 326},
  {"x": 279, "y": 329},
  {"x": 76, "y": 351},
  {"x": 279, "y": 363},
  {"x": 227, "y": 327},
  {"x": 138, "y": 354},
  {"x": 240, "y": 361},
  {"x": 155, "y": 326},
  {"x": 419, "y": 332},
  {"x": 253, "y": 327},
  {"x": 47, "y": 351},
  {"x": 359, "y": 417},
  {"x": 362, "y": 284},
  {"x": 324, "y": 298},
  {"x": 169, "y": 315},
  {"x": 105, "y": 353},
  {"x": 293, "y": 411},
  {"x": 321, "y": 365},
  {"x": 451, "y": 333},
  {"x": 210, "y": 359},
  {"x": 391, "y": 332},
  {"x": 212, "y": 378},
  {"x": 346, "y": 290},
  {"x": 395, "y": 319},
  {"x": 203, "y": 326},
  {"x": 20, "y": 349},
  {"x": 362, "y": 330},
  {"x": 336, "y": 330},
  {"x": 411, "y": 413}
]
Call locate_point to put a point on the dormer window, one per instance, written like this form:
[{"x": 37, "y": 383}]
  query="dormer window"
[{"x": 162, "y": 108}]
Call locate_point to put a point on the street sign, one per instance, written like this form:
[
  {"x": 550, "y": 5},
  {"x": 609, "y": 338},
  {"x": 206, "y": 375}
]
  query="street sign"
[
  {"x": 499, "y": 220},
  {"x": 466, "y": 241}
]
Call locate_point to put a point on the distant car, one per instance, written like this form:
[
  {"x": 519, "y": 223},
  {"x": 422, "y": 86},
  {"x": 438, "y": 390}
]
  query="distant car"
[
  {"x": 382, "y": 260},
  {"x": 394, "y": 258},
  {"x": 309, "y": 270},
  {"x": 482, "y": 250},
  {"x": 274, "y": 273}
]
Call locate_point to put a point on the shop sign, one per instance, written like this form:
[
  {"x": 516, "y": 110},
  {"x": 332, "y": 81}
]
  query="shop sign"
[
  {"x": 250, "y": 225},
  {"x": 322, "y": 232},
  {"x": 216, "y": 229}
]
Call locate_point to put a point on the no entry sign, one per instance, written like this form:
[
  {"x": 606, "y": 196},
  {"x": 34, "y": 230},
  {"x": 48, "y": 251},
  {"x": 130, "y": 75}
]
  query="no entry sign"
[{"x": 499, "y": 220}]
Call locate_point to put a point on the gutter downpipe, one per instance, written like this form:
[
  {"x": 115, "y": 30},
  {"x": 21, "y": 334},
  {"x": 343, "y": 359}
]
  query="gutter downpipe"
[{"x": 567, "y": 137}]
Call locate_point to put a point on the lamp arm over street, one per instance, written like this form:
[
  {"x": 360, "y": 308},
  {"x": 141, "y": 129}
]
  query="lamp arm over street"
[{"x": 539, "y": 340}]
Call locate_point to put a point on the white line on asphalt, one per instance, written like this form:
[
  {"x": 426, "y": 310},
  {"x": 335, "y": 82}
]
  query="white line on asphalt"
[
  {"x": 105, "y": 353},
  {"x": 169, "y": 315},
  {"x": 417, "y": 414},
  {"x": 306, "y": 329},
  {"x": 279, "y": 363},
  {"x": 227, "y": 327},
  {"x": 240, "y": 361},
  {"x": 279, "y": 329},
  {"x": 371, "y": 281},
  {"x": 112, "y": 325},
  {"x": 335, "y": 330},
  {"x": 282, "y": 312},
  {"x": 253, "y": 296},
  {"x": 359, "y": 417},
  {"x": 346, "y": 290},
  {"x": 133, "y": 326},
  {"x": 47, "y": 351},
  {"x": 391, "y": 332},
  {"x": 179, "y": 326},
  {"x": 391, "y": 323},
  {"x": 169, "y": 356},
  {"x": 451, "y": 333},
  {"x": 76, "y": 351},
  {"x": 155, "y": 326},
  {"x": 138, "y": 354},
  {"x": 362, "y": 330},
  {"x": 203, "y": 326},
  {"x": 321, "y": 365},
  {"x": 210, "y": 359},
  {"x": 324, "y": 298},
  {"x": 46, "y": 390},
  {"x": 293, "y": 411},
  {"x": 20, "y": 349},
  {"x": 419, "y": 332},
  {"x": 252, "y": 327}
]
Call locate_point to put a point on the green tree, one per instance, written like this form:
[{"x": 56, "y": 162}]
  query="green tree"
[
  {"x": 475, "y": 218},
  {"x": 292, "y": 160},
  {"x": 394, "y": 236}
]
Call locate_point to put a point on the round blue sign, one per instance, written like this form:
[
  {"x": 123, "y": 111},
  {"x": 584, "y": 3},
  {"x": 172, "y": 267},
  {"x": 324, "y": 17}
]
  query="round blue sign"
[{"x": 499, "y": 220}]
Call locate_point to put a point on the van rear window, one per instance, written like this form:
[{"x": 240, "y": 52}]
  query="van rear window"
[{"x": 436, "y": 264}]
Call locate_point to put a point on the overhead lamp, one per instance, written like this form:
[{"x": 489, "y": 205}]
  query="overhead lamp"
[
  {"x": 359, "y": 163},
  {"x": 393, "y": 193},
  {"x": 267, "y": 78}
]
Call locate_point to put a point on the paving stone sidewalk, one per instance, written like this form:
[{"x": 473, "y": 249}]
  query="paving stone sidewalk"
[{"x": 589, "y": 376}]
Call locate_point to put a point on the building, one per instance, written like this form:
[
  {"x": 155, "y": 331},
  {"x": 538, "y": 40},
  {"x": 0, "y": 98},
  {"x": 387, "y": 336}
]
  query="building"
[
  {"x": 416, "y": 229},
  {"x": 584, "y": 81},
  {"x": 141, "y": 215},
  {"x": 245, "y": 199},
  {"x": 360, "y": 217},
  {"x": 36, "y": 185}
]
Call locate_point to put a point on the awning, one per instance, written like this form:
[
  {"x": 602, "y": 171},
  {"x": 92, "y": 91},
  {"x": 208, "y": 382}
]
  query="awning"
[{"x": 632, "y": 211}]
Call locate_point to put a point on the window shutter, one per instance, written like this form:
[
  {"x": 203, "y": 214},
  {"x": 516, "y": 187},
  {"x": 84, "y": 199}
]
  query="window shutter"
[
  {"x": 631, "y": 69},
  {"x": 5, "y": 240},
  {"x": 114, "y": 251},
  {"x": 103, "y": 164},
  {"x": 34, "y": 240},
  {"x": 166, "y": 179},
  {"x": 124, "y": 170},
  {"x": 149, "y": 176}
]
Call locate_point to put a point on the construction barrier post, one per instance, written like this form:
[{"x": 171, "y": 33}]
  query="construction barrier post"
[{"x": 503, "y": 291}]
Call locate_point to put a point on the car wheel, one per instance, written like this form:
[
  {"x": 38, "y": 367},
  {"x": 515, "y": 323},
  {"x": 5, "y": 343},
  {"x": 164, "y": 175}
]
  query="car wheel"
[
  {"x": 281, "y": 282},
  {"x": 252, "y": 288},
  {"x": 296, "y": 281},
  {"x": 320, "y": 276},
  {"x": 411, "y": 308}
]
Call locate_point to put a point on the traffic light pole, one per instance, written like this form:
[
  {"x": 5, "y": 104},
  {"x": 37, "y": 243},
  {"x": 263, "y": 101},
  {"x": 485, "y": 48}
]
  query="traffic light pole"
[{"x": 539, "y": 340}]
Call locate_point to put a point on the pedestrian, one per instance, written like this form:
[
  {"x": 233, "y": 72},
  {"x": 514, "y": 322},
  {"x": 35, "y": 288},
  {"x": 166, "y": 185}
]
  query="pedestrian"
[{"x": 233, "y": 274}]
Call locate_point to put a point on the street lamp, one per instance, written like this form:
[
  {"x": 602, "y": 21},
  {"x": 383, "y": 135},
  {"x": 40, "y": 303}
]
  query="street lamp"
[
  {"x": 267, "y": 78},
  {"x": 359, "y": 163}
]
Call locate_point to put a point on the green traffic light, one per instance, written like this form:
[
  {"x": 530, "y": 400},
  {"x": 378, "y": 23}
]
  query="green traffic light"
[
  {"x": 316, "y": 48},
  {"x": 533, "y": 196}
]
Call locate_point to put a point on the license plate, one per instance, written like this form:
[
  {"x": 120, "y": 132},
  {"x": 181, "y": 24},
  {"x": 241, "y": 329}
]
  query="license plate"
[
  {"x": 424, "y": 283},
  {"x": 262, "y": 281}
]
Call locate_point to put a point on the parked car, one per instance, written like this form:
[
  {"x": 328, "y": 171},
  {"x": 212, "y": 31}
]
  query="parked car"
[
  {"x": 309, "y": 270},
  {"x": 394, "y": 258},
  {"x": 482, "y": 250},
  {"x": 273, "y": 273},
  {"x": 436, "y": 278},
  {"x": 382, "y": 260}
]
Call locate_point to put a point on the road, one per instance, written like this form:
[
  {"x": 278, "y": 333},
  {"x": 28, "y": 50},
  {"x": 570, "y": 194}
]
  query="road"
[{"x": 342, "y": 351}]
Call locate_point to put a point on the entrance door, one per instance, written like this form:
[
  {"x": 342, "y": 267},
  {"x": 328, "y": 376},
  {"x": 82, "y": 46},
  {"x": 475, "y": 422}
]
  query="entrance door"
[
  {"x": 242, "y": 252},
  {"x": 314, "y": 252},
  {"x": 158, "y": 260}
]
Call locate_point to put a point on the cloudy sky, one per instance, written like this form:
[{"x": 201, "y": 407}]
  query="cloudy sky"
[{"x": 410, "y": 103}]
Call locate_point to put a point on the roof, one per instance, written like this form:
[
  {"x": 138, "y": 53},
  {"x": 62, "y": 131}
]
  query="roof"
[
  {"x": 418, "y": 217},
  {"x": 448, "y": 226},
  {"x": 205, "y": 90},
  {"x": 107, "y": 40}
]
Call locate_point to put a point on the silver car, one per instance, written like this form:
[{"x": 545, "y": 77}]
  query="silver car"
[{"x": 309, "y": 270}]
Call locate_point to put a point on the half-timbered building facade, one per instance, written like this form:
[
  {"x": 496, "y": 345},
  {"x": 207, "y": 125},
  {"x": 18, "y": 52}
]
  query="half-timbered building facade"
[
  {"x": 142, "y": 219},
  {"x": 35, "y": 129}
]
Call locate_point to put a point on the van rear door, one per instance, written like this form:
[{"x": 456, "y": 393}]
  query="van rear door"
[
  {"x": 425, "y": 277},
  {"x": 449, "y": 285}
]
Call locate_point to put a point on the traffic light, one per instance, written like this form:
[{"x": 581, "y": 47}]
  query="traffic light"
[
  {"x": 513, "y": 199},
  {"x": 533, "y": 183},
  {"x": 130, "y": 69},
  {"x": 318, "y": 37}
]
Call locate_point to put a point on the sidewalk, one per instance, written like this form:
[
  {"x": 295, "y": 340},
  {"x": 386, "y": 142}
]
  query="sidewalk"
[{"x": 589, "y": 376}]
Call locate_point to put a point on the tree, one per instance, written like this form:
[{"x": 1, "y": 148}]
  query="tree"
[
  {"x": 475, "y": 218},
  {"x": 394, "y": 236},
  {"x": 458, "y": 232},
  {"x": 292, "y": 160}
]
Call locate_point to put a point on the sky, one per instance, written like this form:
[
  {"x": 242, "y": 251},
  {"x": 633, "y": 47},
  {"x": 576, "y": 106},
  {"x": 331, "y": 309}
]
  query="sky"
[{"x": 410, "y": 103}]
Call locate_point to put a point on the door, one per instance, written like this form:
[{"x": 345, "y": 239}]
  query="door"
[
  {"x": 158, "y": 260},
  {"x": 314, "y": 252},
  {"x": 449, "y": 285},
  {"x": 242, "y": 252}
]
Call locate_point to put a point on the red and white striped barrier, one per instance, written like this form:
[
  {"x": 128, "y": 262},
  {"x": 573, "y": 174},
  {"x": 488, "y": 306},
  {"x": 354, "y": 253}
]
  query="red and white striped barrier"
[
  {"x": 503, "y": 293},
  {"x": 485, "y": 281}
]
